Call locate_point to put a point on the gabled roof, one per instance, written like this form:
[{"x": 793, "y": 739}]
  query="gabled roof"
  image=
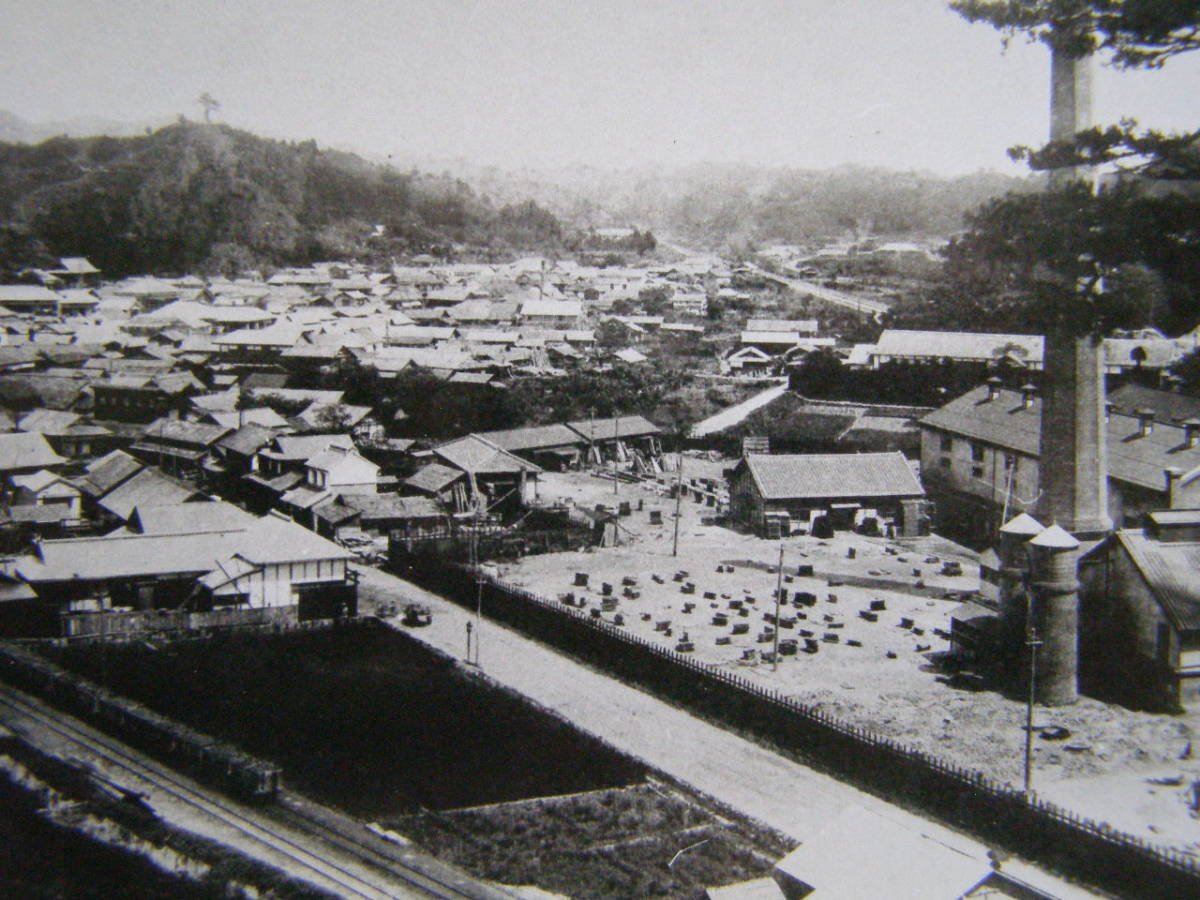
[
  {"x": 39, "y": 481},
  {"x": 21, "y": 450},
  {"x": 619, "y": 428},
  {"x": 534, "y": 437},
  {"x": 247, "y": 440},
  {"x": 197, "y": 434},
  {"x": 258, "y": 415},
  {"x": 958, "y": 345},
  {"x": 477, "y": 455},
  {"x": 189, "y": 518},
  {"x": 302, "y": 447},
  {"x": 378, "y": 507},
  {"x": 1167, "y": 405},
  {"x": 1001, "y": 422},
  {"x": 149, "y": 487},
  {"x": 832, "y": 475},
  {"x": 47, "y": 421}
]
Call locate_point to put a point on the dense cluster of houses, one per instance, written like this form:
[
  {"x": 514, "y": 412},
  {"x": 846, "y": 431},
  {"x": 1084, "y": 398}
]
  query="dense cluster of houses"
[{"x": 157, "y": 453}]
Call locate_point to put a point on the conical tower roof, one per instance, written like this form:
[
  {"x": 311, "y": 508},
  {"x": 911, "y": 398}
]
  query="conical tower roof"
[
  {"x": 1023, "y": 525},
  {"x": 1055, "y": 538}
]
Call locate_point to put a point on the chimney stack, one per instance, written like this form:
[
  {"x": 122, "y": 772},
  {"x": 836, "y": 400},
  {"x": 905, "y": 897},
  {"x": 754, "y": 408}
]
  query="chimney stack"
[
  {"x": 1145, "y": 419},
  {"x": 1028, "y": 392},
  {"x": 1172, "y": 476},
  {"x": 993, "y": 388},
  {"x": 1191, "y": 432}
]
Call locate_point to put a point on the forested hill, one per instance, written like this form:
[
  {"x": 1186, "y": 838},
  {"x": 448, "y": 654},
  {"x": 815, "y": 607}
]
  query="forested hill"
[{"x": 208, "y": 197}]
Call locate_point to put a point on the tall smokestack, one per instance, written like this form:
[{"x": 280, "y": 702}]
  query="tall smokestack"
[
  {"x": 1070, "y": 105},
  {"x": 1074, "y": 451}
]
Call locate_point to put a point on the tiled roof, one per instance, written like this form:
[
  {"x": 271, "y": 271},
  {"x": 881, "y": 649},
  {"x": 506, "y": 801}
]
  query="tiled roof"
[
  {"x": 1167, "y": 405},
  {"x": 833, "y": 475},
  {"x": 479, "y": 456},
  {"x": 247, "y": 440},
  {"x": 195, "y": 433},
  {"x": 1170, "y": 572},
  {"x": 107, "y": 472}
]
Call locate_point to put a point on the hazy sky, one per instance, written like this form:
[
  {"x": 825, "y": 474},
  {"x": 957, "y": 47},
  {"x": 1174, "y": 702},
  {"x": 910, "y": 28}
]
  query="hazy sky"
[{"x": 810, "y": 83}]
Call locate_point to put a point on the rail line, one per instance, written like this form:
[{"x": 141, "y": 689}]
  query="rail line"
[{"x": 423, "y": 885}]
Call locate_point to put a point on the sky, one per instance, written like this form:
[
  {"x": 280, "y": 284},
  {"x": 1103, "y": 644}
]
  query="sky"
[{"x": 536, "y": 83}]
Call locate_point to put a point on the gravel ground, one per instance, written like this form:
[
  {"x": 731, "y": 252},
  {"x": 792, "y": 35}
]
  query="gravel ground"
[{"x": 893, "y": 682}]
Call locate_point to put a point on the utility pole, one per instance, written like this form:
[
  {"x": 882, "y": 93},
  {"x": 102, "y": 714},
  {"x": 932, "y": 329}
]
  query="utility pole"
[
  {"x": 1032, "y": 642},
  {"x": 778, "y": 592},
  {"x": 616, "y": 440},
  {"x": 678, "y": 500}
]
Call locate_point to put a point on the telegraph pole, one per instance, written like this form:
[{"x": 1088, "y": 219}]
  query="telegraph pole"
[
  {"x": 678, "y": 499},
  {"x": 616, "y": 440},
  {"x": 778, "y": 592},
  {"x": 1032, "y": 642}
]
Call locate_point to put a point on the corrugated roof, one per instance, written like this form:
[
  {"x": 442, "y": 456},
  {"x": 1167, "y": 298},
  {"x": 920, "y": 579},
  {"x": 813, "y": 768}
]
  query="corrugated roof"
[
  {"x": 833, "y": 475},
  {"x": 1169, "y": 569}
]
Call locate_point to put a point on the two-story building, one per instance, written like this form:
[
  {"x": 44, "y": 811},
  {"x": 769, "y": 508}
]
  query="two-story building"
[{"x": 980, "y": 453}]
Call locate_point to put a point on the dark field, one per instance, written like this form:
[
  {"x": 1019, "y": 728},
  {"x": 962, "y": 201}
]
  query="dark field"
[
  {"x": 603, "y": 845},
  {"x": 362, "y": 718}
]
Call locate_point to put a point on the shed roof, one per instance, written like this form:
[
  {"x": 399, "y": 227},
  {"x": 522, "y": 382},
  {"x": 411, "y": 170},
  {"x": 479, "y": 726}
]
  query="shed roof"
[
  {"x": 534, "y": 437},
  {"x": 619, "y": 428},
  {"x": 433, "y": 478}
]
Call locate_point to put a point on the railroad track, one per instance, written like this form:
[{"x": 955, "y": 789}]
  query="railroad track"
[{"x": 417, "y": 884}]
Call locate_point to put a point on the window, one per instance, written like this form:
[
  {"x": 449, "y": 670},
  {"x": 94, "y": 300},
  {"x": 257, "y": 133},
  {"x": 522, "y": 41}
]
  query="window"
[
  {"x": 976, "y": 471},
  {"x": 1010, "y": 460},
  {"x": 977, "y": 452},
  {"x": 944, "y": 462},
  {"x": 947, "y": 443}
]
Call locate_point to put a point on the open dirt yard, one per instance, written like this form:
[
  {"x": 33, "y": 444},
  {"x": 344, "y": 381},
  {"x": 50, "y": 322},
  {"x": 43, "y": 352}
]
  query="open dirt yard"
[{"x": 883, "y": 669}]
